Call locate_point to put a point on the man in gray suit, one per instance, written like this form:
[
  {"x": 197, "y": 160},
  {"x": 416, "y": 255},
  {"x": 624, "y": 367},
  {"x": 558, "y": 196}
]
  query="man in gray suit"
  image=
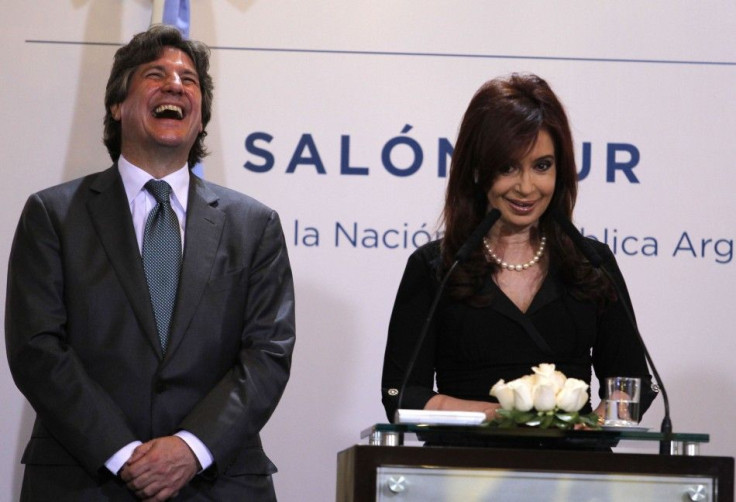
[{"x": 152, "y": 362}]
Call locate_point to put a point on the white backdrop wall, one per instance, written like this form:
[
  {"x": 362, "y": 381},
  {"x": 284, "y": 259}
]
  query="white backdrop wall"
[{"x": 325, "y": 86}]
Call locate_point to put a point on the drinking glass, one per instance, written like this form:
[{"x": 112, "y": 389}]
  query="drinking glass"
[{"x": 622, "y": 401}]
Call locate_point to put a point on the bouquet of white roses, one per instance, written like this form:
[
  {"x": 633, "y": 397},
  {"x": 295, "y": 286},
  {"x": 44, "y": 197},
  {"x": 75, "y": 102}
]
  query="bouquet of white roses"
[{"x": 546, "y": 398}]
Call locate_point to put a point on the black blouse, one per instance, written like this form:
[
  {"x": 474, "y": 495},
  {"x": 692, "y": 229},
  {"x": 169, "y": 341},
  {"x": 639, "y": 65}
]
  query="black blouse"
[{"x": 468, "y": 349}]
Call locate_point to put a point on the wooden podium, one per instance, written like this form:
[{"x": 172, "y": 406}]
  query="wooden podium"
[{"x": 452, "y": 473}]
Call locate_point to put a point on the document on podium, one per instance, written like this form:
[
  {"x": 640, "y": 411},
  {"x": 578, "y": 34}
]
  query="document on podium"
[{"x": 440, "y": 417}]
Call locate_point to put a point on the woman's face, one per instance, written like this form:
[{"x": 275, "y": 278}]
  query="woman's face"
[{"x": 523, "y": 191}]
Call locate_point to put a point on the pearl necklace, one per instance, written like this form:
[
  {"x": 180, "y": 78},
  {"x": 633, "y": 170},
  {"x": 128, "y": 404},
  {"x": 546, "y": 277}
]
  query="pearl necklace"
[{"x": 491, "y": 256}]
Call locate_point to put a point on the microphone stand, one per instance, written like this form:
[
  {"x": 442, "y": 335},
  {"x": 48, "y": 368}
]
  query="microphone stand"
[
  {"x": 462, "y": 254},
  {"x": 423, "y": 333},
  {"x": 665, "y": 444}
]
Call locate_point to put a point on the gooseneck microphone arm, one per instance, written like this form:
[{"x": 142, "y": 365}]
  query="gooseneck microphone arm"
[
  {"x": 461, "y": 256},
  {"x": 665, "y": 445}
]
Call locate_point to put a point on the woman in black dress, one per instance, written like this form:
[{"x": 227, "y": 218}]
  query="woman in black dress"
[{"x": 527, "y": 295}]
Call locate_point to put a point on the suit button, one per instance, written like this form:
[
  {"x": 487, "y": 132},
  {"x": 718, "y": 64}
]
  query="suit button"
[{"x": 159, "y": 387}]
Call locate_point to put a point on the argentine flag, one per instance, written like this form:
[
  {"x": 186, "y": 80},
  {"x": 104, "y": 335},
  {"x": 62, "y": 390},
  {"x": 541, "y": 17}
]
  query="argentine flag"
[{"x": 174, "y": 13}]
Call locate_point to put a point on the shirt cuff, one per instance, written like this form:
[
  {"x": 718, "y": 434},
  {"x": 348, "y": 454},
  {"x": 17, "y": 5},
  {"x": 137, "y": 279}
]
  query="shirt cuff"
[
  {"x": 115, "y": 463},
  {"x": 203, "y": 454}
]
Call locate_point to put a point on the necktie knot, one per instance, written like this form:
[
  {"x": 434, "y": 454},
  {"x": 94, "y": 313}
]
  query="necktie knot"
[{"x": 160, "y": 190}]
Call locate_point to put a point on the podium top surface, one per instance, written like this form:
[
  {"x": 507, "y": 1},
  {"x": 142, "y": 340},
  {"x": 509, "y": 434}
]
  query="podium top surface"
[{"x": 486, "y": 433}]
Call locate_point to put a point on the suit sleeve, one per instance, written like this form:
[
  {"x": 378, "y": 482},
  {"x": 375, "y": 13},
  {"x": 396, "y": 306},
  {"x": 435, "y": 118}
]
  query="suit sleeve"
[
  {"x": 413, "y": 300},
  {"x": 242, "y": 402},
  {"x": 71, "y": 407},
  {"x": 618, "y": 351}
]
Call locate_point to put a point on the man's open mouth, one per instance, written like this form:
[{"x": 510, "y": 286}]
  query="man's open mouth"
[{"x": 168, "y": 112}]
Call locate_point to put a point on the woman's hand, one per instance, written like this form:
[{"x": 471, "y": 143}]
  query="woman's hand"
[
  {"x": 490, "y": 411},
  {"x": 448, "y": 403},
  {"x": 600, "y": 411}
]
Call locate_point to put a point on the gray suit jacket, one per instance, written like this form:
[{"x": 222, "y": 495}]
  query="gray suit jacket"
[{"x": 81, "y": 337}]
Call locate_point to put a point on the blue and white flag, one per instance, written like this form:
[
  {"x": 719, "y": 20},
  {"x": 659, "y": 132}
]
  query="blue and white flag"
[{"x": 172, "y": 12}]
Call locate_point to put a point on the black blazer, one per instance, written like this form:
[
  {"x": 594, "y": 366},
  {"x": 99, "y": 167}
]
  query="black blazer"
[
  {"x": 468, "y": 349},
  {"x": 81, "y": 337}
]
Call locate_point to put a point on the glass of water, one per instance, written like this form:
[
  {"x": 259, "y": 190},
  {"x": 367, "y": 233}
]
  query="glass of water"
[{"x": 622, "y": 401}]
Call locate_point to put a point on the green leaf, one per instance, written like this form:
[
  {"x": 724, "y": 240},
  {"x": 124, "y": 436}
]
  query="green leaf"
[
  {"x": 509, "y": 419},
  {"x": 591, "y": 420},
  {"x": 547, "y": 420},
  {"x": 523, "y": 417},
  {"x": 563, "y": 425},
  {"x": 567, "y": 417},
  {"x": 505, "y": 413}
]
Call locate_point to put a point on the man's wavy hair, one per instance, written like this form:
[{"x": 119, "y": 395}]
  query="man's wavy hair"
[
  {"x": 144, "y": 48},
  {"x": 501, "y": 124}
]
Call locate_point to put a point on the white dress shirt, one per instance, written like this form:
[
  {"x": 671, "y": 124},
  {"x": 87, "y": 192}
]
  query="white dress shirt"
[{"x": 141, "y": 202}]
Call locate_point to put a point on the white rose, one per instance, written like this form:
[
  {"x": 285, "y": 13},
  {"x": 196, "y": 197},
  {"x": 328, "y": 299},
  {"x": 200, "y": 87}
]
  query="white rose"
[
  {"x": 543, "y": 394},
  {"x": 522, "y": 388},
  {"x": 504, "y": 394},
  {"x": 573, "y": 395},
  {"x": 548, "y": 371}
]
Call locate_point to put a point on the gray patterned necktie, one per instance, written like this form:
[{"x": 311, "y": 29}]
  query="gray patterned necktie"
[{"x": 162, "y": 257}]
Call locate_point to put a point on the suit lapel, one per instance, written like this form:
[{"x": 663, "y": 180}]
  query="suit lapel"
[
  {"x": 547, "y": 293},
  {"x": 108, "y": 209},
  {"x": 203, "y": 230}
]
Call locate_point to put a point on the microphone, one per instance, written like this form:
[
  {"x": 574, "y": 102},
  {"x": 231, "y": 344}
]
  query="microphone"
[
  {"x": 461, "y": 256},
  {"x": 580, "y": 242},
  {"x": 474, "y": 240},
  {"x": 665, "y": 445}
]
